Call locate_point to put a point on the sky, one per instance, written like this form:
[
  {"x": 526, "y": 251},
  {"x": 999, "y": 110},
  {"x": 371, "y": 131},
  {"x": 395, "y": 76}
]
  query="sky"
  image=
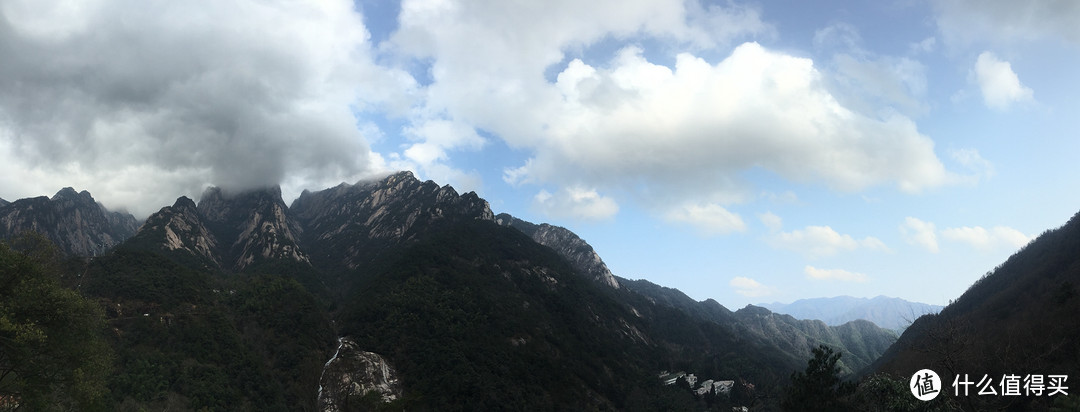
[{"x": 742, "y": 151}]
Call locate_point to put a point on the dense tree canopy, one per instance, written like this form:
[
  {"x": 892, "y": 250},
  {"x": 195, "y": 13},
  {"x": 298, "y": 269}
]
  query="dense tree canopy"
[{"x": 53, "y": 354}]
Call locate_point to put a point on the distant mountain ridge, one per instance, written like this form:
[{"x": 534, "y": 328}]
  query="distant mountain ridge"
[
  {"x": 889, "y": 313},
  {"x": 860, "y": 341},
  {"x": 74, "y": 221}
]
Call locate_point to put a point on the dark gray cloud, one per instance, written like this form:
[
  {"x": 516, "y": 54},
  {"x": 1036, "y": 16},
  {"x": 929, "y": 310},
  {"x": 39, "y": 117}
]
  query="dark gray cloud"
[{"x": 140, "y": 102}]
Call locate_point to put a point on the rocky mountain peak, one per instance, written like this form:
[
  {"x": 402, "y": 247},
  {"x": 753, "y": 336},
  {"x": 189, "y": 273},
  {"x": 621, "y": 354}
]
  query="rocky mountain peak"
[
  {"x": 567, "y": 244},
  {"x": 73, "y": 220},
  {"x": 372, "y": 214},
  {"x": 179, "y": 227},
  {"x": 251, "y": 226},
  {"x": 69, "y": 193},
  {"x": 185, "y": 204}
]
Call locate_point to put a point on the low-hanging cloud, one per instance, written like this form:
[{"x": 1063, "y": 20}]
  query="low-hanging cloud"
[{"x": 140, "y": 102}]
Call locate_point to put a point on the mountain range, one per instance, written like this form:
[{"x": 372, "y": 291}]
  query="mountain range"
[
  {"x": 72, "y": 220},
  {"x": 402, "y": 294},
  {"x": 889, "y": 313},
  {"x": 419, "y": 295}
]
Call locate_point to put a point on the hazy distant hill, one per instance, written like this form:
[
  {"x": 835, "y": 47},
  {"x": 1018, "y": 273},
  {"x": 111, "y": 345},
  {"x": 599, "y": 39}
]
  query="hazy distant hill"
[
  {"x": 860, "y": 342},
  {"x": 886, "y": 312}
]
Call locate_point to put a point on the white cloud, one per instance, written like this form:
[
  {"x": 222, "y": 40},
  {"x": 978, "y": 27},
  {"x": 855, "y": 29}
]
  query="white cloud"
[
  {"x": 987, "y": 239},
  {"x": 575, "y": 202},
  {"x": 1000, "y": 86},
  {"x": 750, "y": 287},
  {"x": 647, "y": 131},
  {"x": 822, "y": 241},
  {"x": 771, "y": 221},
  {"x": 925, "y": 234},
  {"x": 698, "y": 121},
  {"x": 711, "y": 219},
  {"x": 436, "y": 137},
  {"x": 142, "y": 102},
  {"x": 251, "y": 93},
  {"x": 920, "y": 233},
  {"x": 833, "y": 274}
]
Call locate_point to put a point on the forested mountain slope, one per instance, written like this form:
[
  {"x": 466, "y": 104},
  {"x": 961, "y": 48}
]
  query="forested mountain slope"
[{"x": 1019, "y": 319}]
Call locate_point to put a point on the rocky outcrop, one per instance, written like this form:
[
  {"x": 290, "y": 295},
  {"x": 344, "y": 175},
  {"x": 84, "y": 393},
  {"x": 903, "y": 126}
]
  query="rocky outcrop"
[
  {"x": 251, "y": 226},
  {"x": 353, "y": 373},
  {"x": 567, "y": 244},
  {"x": 358, "y": 220},
  {"x": 72, "y": 220},
  {"x": 179, "y": 227}
]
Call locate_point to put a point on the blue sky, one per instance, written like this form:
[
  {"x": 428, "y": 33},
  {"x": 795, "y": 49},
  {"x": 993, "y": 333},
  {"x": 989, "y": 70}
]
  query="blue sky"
[{"x": 743, "y": 151}]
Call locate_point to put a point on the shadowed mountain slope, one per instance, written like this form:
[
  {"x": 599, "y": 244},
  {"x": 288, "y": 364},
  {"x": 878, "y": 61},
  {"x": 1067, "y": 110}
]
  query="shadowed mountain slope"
[{"x": 1021, "y": 318}]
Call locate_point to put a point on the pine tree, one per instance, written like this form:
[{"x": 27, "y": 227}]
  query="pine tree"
[{"x": 818, "y": 388}]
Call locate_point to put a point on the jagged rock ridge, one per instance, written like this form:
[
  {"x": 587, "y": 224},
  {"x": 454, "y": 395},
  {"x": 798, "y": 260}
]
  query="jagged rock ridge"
[
  {"x": 229, "y": 231},
  {"x": 253, "y": 225},
  {"x": 567, "y": 244},
  {"x": 73, "y": 220},
  {"x": 180, "y": 227},
  {"x": 350, "y": 223}
]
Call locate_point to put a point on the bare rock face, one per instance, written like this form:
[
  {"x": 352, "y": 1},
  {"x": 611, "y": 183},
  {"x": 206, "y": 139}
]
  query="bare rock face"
[
  {"x": 73, "y": 220},
  {"x": 353, "y": 373},
  {"x": 567, "y": 244},
  {"x": 251, "y": 226},
  {"x": 369, "y": 215},
  {"x": 179, "y": 227}
]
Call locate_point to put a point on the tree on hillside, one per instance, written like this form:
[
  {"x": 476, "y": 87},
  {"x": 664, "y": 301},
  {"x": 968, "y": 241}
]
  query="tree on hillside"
[
  {"x": 53, "y": 355},
  {"x": 818, "y": 388}
]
